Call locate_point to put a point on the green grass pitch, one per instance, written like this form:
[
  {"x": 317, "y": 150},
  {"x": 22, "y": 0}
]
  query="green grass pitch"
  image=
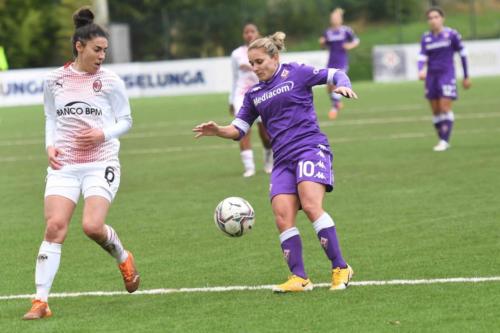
[{"x": 402, "y": 212}]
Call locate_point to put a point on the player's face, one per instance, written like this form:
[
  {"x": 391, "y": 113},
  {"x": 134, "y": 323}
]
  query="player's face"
[
  {"x": 92, "y": 54},
  {"x": 336, "y": 19},
  {"x": 250, "y": 33},
  {"x": 435, "y": 21},
  {"x": 262, "y": 64}
]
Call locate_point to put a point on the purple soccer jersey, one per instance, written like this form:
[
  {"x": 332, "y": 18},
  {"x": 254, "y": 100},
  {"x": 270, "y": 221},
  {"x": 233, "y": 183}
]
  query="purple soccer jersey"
[
  {"x": 285, "y": 104},
  {"x": 437, "y": 51},
  {"x": 335, "y": 39}
]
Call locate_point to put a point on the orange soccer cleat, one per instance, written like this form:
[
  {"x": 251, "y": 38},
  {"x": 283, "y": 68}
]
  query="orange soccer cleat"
[
  {"x": 130, "y": 275},
  {"x": 38, "y": 310}
]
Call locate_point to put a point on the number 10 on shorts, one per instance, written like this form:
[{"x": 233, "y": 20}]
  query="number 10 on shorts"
[{"x": 306, "y": 168}]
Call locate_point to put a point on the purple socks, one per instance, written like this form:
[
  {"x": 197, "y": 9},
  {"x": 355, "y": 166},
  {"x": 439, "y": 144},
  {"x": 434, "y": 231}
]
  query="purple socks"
[
  {"x": 327, "y": 235},
  {"x": 444, "y": 124},
  {"x": 292, "y": 251}
]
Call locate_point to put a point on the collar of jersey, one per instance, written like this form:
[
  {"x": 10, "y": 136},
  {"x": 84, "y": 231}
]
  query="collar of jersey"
[
  {"x": 73, "y": 69},
  {"x": 274, "y": 75}
]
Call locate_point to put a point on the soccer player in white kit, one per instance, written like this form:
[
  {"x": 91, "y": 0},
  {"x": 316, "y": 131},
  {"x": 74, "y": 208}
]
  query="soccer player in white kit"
[
  {"x": 243, "y": 79},
  {"x": 86, "y": 110}
]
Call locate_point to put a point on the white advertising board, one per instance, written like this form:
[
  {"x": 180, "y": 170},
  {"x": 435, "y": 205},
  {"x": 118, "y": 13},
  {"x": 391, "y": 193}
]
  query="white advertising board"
[
  {"x": 162, "y": 78},
  {"x": 399, "y": 62}
]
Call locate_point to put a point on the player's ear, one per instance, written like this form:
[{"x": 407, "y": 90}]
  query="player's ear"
[{"x": 79, "y": 46}]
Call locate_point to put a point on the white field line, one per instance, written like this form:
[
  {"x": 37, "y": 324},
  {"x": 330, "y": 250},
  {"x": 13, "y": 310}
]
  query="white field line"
[
  {"x": 340, "y": 123},
  {"x": 163, "y": 291},
  {"x": 197, "y": 148}
]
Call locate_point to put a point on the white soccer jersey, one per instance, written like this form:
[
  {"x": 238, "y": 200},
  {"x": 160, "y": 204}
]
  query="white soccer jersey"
[
  {"x": 243, "y": 79},
  {"x": 75, "y": 101}
]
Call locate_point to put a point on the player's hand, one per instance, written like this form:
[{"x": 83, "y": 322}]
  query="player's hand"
[
  {"x": 231, "y": 109},
  {"x": 346, "y": 92},
  {"x": 53, "y": 154},
  {"x": 89, "y": 138},
  {"x": 206, "y": 129},
  {"x": 422, "y": 74},
  {"x": 466, "y": 83},
  {"x": 322, "y": 41}
]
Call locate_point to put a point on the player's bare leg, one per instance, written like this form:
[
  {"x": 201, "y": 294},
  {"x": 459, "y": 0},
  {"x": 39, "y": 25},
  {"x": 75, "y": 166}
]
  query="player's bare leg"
[
  {"x": 246, "y": 154},
  {"x": 311, "y": 198},
  {"x": 285, "y": 207},
  {"x": 95, "y": 211},
  {"x": 58, "y": 211}
]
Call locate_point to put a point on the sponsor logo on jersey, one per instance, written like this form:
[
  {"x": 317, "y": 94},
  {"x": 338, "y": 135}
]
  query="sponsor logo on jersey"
[
  {"x": 321, "y": 154},
  {"x": 278, "y": 90},
  {"x": 438, "y": 45},
  {"x": 284, "y": 74},
  {"x": 97, "y": 85},
  {"x": 59, "y": 83},
  {"x": 78, "y": 108}
]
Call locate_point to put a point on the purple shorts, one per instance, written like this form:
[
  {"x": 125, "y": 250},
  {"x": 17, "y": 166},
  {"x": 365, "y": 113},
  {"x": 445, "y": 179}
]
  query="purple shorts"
[
  {"x": 440, "y": 85},
  {"x": 313, "y": 165}
]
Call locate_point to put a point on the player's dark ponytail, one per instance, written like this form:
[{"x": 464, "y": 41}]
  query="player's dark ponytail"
[{"x": 85, "y": 28}]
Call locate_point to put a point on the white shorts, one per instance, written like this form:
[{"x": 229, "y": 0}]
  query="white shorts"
[
  {"x": 100, "y": 179},
  {"x": 238, "y": 103}
]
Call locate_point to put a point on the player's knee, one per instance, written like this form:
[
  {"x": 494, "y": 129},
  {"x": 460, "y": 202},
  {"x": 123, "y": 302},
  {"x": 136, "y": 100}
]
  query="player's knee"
[
  {"x": 283, "y": 219},
  {"x": 55, "y": 229},
  {"x": 94, "y": 231},
  {"x": 311, "y": 209}
]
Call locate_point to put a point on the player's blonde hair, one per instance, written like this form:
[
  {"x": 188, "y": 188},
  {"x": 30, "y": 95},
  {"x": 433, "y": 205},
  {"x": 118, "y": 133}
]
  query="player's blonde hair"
[
  {"x": 338, "y": 11},
  {"x": 273, "y": 44}
]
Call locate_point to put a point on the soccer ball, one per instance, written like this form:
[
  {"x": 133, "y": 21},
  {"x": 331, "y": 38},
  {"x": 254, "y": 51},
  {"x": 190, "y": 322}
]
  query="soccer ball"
[{"x": 234, "y": 216}]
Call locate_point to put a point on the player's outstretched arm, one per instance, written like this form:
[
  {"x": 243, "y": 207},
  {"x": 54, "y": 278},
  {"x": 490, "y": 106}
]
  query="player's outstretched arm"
[
  {"x": 212, "y": 129},
  {"x": 346, "y": 92}
]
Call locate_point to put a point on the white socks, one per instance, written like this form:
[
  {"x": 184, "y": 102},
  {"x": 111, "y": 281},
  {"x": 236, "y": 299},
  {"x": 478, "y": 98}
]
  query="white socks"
[
  {"x": 247, "y": 159},
  {"x": 114, "y": 246},
  {"x": 288, "y": 233},
  {"x": 323, "y": 222},
  {"x": 47, "y": 264}
]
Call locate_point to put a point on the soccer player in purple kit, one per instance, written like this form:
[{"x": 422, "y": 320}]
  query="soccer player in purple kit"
[
  {"x": 302, "y": 171},
  {"x": 339, "y": 39},
  {"x": 437, "y": 49}
]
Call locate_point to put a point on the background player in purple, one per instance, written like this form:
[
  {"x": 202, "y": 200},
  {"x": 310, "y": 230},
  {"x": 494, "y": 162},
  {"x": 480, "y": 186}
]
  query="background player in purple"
[
  {"x": 437, "y": 49},
  {"x": 339, "y": 39},
  {"x": 302, "y": 171}
]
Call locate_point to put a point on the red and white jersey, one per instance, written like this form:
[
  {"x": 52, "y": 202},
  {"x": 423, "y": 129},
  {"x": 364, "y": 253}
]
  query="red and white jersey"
[
  {"x": 75, "y": 101},
  {"x": 243, "y": 79}
]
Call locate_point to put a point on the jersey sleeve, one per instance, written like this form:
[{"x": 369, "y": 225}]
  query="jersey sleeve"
[
  {"x": 314, "y": 77},
  {"x": 351, "y": 36},
  {"x": 458, "y": 46},
  {"x": 121, "y": 108},
  {"x": 50, "y": 114},
  {"x": 246, "y": 116},
  {"x": 422, "y": 56}
]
